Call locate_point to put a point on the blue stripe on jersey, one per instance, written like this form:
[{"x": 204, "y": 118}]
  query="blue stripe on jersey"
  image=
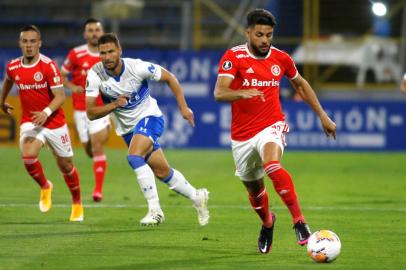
[
  {"x": 135, "y": 99},
  {"x": 138, "y": 96}
]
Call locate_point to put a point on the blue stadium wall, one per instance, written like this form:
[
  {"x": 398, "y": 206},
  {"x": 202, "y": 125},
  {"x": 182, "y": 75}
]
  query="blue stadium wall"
[{"x": 362, "y": 125}]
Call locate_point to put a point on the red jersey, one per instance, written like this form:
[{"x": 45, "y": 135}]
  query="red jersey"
[
  {"x": 79, "y": 60},
  {"x": 34, "y": 83},
  {"x": 250, "y": 116}
]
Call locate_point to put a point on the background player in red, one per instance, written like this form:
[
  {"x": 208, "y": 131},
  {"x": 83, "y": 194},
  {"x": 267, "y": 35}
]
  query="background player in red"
[
  {"x": 249, "y": 77},
  {"x": 41, "y": 95},
  {"x": 92, "y": 134}
]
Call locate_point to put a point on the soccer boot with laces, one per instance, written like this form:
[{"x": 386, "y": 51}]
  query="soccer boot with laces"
[
  {"x": 77, "y": 212},
  {"x": 200, "y": 204},
  {"x": 303, "y": 233},
  {"x": 153, "y": 217},
  {"x": 45, "y": 200},
  {"x": 265, "y": 237}
]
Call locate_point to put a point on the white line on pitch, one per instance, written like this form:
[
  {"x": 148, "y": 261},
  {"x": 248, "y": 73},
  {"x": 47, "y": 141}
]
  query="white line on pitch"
[{"x": 315, "y": 208}]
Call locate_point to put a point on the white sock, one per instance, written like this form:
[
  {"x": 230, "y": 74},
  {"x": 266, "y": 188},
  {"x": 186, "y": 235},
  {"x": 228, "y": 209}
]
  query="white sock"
[
  {"x": 179, "y": 184},
  {"x": 146, "y": 180}
]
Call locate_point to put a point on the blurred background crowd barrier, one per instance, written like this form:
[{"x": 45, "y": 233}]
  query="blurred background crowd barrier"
[{"x": 353, "y": 56}]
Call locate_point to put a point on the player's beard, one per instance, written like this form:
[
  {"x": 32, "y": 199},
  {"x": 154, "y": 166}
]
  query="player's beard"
[
  {"x": 111, "y": 68},
  {"x": 258, "y": 52}
]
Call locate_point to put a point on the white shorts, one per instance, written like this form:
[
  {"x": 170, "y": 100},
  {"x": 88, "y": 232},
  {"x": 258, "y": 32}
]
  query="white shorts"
[
  {"x": 248, "y": 155},
  {"x": 58, "y": 139},
  {"x": 85, "y": 127}
]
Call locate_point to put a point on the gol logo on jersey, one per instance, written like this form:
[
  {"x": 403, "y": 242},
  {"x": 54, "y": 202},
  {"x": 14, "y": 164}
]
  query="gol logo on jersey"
[
  {"x": 38, "y": 76},
  {"x": 255, "y": 82}
]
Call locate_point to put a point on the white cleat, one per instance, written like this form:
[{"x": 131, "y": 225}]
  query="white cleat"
[
  {"x": 200, "y": 204},
  {"x": 153, "y": 217}
]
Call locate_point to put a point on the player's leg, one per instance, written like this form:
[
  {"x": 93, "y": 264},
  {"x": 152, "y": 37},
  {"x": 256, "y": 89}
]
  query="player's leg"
[
  {"x": 139, "y": 147},
  {"x": 59, "y": 141},
  {"x": 248, "y": 168},
  {"x": 271, "y": 149},
  {"x": 82, "y": 129},
  {"x": 258, "y": 198},
  {"x": 31, "y": 142},
  {"x": 99, "y": 133},
  {"x": 178, "y": 183}
]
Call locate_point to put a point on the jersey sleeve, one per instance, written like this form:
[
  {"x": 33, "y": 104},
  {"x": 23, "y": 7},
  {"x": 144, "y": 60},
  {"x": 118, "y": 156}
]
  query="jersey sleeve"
[
  {"x": 228, "y": 65},
  {"x": 93, "y": 83},
  {"x": 148, "y": 70},
  {"x": 290, "y": 68},
  {"x": 69, "y": 62},
  {"x": 8, "y": 72},
  {"x": 53, "y": 76}
]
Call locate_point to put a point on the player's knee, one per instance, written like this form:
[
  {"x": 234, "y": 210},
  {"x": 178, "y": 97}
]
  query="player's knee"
[
  {"x": 135, "y": 161},
  {"x": 65, "y": 165},
  {"x": 163, "y": 173}
]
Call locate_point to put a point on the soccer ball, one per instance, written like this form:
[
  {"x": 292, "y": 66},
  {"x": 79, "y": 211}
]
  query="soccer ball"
[{"x": 324, "y": 246}]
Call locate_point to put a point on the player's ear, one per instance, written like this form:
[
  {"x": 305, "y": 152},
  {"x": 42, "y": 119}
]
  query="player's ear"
[
  {"x": 247, "y": 33},
  {"x": 40, "y": 44}
]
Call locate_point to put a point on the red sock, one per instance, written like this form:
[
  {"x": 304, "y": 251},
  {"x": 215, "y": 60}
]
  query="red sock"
[
  {"x": 99, "y": 169},
  {"x": 34, "y": 168},
  {"x": 283, "y": 184},
  {"x": 259, "y": 203},
  {"x": 72, "y": 181}
]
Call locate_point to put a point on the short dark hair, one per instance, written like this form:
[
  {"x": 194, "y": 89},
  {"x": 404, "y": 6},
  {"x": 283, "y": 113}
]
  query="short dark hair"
[
  {"x": 260, "y": 16},
  {"x": 30, "y": 27},
  {"x": 109, "y": 38},
  {"x": 90, "y": 20}
]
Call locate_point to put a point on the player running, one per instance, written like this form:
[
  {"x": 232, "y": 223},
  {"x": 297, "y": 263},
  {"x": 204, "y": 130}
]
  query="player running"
[
  {"x": 122, "y": 82},
  {"x": 41, "y": 95},
  {"x": 249, "y": 77},
  {"x": 92, "y": 134}
]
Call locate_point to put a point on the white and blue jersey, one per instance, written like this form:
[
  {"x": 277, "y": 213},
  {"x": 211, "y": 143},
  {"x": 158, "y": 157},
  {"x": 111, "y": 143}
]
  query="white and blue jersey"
[{"x": 132, "y": 82}]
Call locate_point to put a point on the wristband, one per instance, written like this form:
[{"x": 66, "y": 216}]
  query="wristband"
[{"x": 48, "y": 111}]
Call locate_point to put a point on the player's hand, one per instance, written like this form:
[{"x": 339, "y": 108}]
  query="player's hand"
[
  {"x": 188, "y": 115},
  {"x": 121, "y": 101},
  {"x": 329, "y": 127},
  {"x": 39, "y": 118},
  {"x": 250, "y": 93},
  {"x": 77, "y": 89},
  {"x": 7, "y": 108}
]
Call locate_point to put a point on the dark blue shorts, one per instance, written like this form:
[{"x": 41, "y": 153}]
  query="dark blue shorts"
[{"x": 151, "y": 127}]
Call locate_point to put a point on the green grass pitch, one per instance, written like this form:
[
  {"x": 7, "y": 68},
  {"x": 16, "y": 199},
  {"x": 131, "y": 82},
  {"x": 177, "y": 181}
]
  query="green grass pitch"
[{"x": 360, "y": 196}]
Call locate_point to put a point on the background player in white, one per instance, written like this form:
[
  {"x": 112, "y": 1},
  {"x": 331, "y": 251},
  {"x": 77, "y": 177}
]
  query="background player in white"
[
  {"x": 92, "y": 134},
  {"x": 41, "y": 95},
  {"x": 123, "y": 84},
  {"x": 249, "y": 78}
]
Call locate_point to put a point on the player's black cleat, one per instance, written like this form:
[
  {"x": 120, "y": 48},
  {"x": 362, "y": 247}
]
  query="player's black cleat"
[
  {"x": 302, "y": 232},
  {"x": 265, "y": 237}
]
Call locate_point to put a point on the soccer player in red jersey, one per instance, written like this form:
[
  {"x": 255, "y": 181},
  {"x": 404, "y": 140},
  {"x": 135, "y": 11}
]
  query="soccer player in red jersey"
[
  {"x": 249, "y": 77},
  {"x": 41, "y": 95},
  {"x": 92, "y": 134}
]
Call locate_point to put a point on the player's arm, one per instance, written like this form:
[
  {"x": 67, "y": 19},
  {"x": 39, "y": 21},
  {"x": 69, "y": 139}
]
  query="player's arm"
[
  {"x": 403, "y": 86},
  {"x": 39, "y": 118},
  {"x": 177, "y": 91},
  {"x": 70, "y": 85},
  {"x": 307, "y": 93},
  {"x": 94, "y": 111},
  {"x": 7, "y": 85},
  {"x": 222, "y": 91}
]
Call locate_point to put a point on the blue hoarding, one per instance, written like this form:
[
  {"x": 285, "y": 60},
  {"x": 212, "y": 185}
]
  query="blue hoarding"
[{"x": 361, "y": 125}]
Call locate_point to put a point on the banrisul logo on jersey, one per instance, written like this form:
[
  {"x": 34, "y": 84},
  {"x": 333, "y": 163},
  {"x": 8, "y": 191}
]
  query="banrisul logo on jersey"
[{"x": 255, "y": 82}]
